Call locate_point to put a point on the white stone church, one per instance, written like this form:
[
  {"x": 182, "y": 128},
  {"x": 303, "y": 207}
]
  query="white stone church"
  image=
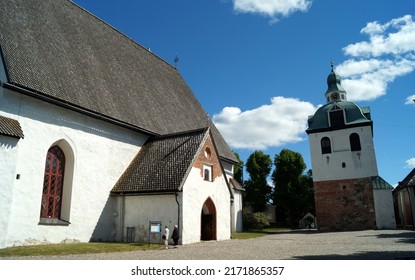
[{"x": 100, "y": 139}]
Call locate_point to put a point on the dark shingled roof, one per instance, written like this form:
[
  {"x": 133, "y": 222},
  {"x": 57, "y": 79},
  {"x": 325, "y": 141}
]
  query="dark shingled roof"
[
  {"x": 162, "y": 164},
  {"x": 236, "y": 185},
  {"x": 10, "y": 127},
  {"x": 409, "y": 181},
  {"x": 58, "y": 50}
]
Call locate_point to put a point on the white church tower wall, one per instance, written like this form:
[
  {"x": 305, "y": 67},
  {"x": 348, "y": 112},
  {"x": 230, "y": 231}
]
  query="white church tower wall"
[{"x": 343, "y": 163}]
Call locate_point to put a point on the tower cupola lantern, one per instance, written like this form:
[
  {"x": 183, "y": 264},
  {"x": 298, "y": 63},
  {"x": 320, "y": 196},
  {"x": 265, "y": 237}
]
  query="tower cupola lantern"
[{"x": 335, "y": 92}]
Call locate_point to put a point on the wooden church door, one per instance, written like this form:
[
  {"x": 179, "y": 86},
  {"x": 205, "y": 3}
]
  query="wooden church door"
[{"x": 208, "y": 221}]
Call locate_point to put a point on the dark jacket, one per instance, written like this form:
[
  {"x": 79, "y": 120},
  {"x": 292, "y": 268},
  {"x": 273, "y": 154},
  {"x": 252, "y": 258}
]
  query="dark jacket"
[{"x": 175, "y": 234}]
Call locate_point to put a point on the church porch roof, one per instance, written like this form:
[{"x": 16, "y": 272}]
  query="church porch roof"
[
  {"x": 10, "y": 127},
  {"x": 162, "y": 164}
]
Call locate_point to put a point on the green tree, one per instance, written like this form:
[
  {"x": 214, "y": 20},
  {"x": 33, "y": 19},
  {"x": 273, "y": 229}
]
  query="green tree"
[
  {"x": 257, "y": 191},
  {"x": 238, "y": 170},
  {"x": 293, "y": 190}
]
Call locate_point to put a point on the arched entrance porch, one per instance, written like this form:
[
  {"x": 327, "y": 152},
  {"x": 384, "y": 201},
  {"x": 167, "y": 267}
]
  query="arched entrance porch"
[{"x": 208, "y": 221}]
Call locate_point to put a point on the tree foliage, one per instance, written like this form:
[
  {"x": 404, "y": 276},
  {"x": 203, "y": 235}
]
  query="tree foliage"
[
  {"x": 238, "y": 170},
  {"x": 293, "y": 192},
  {"x": 257, "y": 191}
]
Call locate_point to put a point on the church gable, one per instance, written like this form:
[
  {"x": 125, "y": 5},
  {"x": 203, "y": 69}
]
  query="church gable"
[{"x": 208, "y": 162}]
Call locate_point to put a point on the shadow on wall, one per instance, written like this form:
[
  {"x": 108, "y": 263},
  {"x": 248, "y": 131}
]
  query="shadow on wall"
[
  {"x": 105, "y": 229},
  {"x": 8, "y": 143}
]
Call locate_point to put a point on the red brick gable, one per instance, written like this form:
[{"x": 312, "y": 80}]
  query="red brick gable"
[{"x": 208, "y": 155}]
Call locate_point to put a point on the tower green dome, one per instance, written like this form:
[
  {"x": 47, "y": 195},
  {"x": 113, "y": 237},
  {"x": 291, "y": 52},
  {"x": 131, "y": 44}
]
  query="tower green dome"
[
  {"x": 338, "y": 112},
  {"x": 353, "y": 115}
]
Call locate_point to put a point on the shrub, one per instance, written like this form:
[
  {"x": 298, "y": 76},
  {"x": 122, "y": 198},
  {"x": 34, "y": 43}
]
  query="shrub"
[{"x": 255, "y": 221}]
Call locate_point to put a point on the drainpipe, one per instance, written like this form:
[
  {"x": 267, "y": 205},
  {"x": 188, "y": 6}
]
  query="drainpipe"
[
  {"x": 178, "y": 210},
  {"x": 122, "y": 216},
  {"x": 233, "y": 224}
]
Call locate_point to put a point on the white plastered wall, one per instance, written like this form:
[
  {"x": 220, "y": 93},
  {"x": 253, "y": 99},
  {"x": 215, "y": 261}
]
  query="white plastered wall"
[
  {"x": 138, "y": 211},
  {"x": 195, "y": 193},
  {"x": 100, "y": 153},
  {"x": 358, "y": 164},
  {"x": 236, "y": 207},
  {"x": 8, "y": 155},
  {"x": 384, "y": 209},
  {"x": 238, "y": 214}
]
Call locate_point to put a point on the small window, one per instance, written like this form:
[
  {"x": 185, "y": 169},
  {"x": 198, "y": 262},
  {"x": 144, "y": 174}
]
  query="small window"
[
  {"x": 207, "y": 172},
  {"x": 325, "y": 145},
  {"x": 355, "y": 142},
  {"x": 208, "y": 153},
  {"x": 336, "y": 118}
]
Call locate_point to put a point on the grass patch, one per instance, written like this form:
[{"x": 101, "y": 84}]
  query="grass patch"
[
  {"x": 74, "y": 248},
  {"x": 103, "y": 247},
  {"x": 248, "y": 234},
  {"x": 259, "y": 233}
]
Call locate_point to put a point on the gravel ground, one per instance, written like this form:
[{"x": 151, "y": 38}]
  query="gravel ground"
[{"x": 285, "y": 245}]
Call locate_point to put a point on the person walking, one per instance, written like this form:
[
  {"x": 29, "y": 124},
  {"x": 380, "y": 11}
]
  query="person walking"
[
  {"x": 175, "y": 236},
  {"x": 166, "y": 237}
]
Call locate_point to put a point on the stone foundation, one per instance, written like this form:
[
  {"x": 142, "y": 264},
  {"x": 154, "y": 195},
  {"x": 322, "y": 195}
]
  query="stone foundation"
[{"x": 343, "y": 205}]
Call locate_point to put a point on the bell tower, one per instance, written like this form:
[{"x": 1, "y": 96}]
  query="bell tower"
[{"x": 348, "y": 192}]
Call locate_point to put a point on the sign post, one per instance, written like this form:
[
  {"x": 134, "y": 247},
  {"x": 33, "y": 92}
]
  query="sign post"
[{"x": 154, "y": 227}]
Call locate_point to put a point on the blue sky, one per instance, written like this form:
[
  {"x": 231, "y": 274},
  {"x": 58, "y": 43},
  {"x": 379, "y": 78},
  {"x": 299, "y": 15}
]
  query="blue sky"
[{"x": 259, "y": 67}]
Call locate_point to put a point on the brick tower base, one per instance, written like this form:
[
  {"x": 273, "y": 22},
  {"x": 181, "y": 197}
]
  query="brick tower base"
[{"x": 344, "y": 205}]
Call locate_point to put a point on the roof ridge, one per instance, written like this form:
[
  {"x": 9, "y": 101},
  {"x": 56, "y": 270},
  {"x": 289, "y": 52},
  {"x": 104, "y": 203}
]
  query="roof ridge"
[
  {"x": 182, "y": 133},
  {"x": 121, "y": 33}
]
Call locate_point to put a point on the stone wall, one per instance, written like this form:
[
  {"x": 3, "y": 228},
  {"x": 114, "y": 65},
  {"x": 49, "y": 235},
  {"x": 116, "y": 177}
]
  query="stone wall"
[{"x": 343, "y": 205}]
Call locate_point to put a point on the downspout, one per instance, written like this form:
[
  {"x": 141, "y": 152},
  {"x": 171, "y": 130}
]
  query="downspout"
[
  {"x": 122, "y": 216},
  {"x": 178, "y": 213},
  {"x": 178, "y": 209},
  {"x": 233, "y": 224}
]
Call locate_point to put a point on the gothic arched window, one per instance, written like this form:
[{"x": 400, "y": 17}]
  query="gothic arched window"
[
  {"x": 355, "y": 142},
  {"x": 53, "y": 184},
  {"x": 325, "y": 145}
]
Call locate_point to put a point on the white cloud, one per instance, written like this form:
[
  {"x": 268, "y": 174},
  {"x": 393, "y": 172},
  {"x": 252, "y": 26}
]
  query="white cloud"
[
  {"x": 368, "y": 79},
  {"x": 272, "y": 8},
  {"x": 381, "y": 42},
  {"x": 410, "y": 100},
  {"x": 388, "y": 54},
  {"x": 272, "y": 125},
  {"x": 410, "y": 163}
]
